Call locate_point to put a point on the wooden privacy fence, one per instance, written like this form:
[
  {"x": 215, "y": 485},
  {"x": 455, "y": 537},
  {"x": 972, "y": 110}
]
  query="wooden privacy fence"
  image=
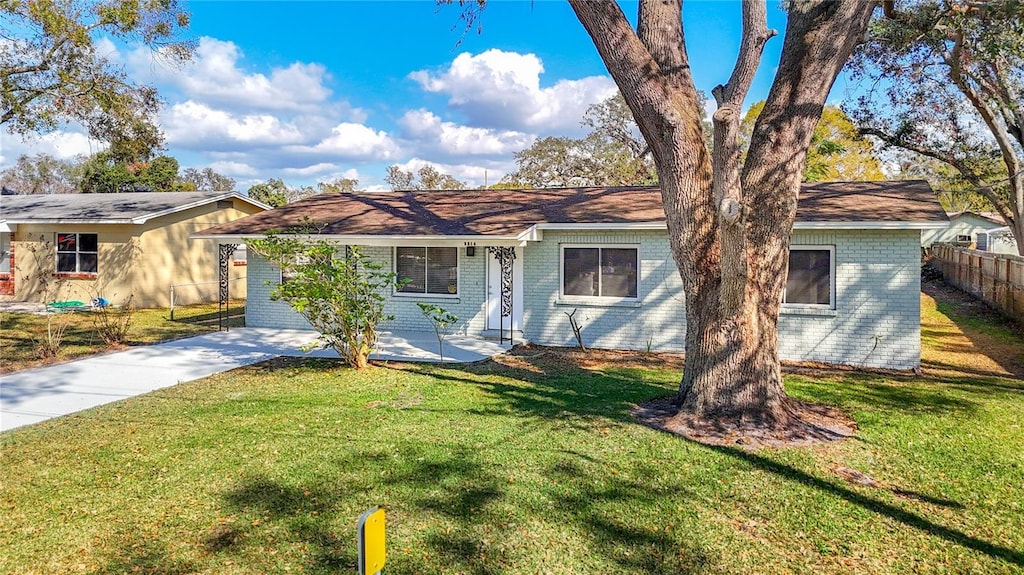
[{"x": 997, "y": 279}]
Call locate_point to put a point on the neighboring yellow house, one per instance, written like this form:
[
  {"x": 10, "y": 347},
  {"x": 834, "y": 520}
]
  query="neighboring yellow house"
[{"x": 116, "y": 245}]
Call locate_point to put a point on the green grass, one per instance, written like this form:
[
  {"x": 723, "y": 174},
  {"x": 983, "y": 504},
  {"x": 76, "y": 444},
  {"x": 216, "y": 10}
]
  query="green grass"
[
  {"x": 19, "y": 332},
  {"x": 531, "y": 465}
]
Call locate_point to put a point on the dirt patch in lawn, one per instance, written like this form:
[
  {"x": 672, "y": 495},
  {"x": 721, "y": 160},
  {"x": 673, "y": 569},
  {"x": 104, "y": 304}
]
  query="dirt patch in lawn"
[{"x": 810, "y": 424}]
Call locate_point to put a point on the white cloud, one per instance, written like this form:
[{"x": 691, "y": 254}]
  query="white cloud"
[
  {"x": 501, "y": 89},
  {"x": 307, "y": 171},
  {"x": 215, "y": 76},
  {"x": 352, "y": 141},
  {"x": 234, "y": 169},
  {"x": 428, "y": 130},
  {"x": 192, "y": 124},
  {"x": 59, "y": 144}
]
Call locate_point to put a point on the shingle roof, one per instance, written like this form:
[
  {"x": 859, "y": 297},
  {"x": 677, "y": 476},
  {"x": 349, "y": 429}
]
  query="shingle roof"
[
  {"x": 103, "y": 208},
  {"x": 508, "y": 213}
]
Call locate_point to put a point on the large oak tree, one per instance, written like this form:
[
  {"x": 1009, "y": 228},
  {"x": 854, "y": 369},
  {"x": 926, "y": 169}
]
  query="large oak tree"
[
  {"x": 54, "y": 68},
  {"x": 729, "y": 225},
  {"x": 949, "y": 85}
]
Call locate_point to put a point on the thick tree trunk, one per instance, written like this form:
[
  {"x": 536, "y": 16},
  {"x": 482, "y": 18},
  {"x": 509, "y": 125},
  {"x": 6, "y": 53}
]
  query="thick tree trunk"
[{"x": 729, "y": 231}]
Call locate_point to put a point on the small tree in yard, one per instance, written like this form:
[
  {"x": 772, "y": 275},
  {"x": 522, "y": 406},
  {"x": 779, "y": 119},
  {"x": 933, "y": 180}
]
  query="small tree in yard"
[
  {"x": 339, "y": 294},
  {"x": 113, "y": 323},
  {"x": 441, "y": 319}
]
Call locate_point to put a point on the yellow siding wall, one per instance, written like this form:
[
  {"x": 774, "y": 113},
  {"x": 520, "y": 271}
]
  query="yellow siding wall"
[{"x": 143, "y": 260}]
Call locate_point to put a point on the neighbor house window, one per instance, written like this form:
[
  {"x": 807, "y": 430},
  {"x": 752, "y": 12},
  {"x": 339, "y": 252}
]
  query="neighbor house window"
[
  {"x": 811, "y": 278},
  {"x": 600, "y": 271},
  {"x": 240, "y": 256},
  {"x": 963, "y": 238},
  {"x": 77, "y": 253},
  {"x": 5, "y": 253},
  {"x": 433, "y": 271}
]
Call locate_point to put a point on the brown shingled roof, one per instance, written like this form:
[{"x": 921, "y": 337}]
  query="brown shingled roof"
[{"x": 509, "y": 213}]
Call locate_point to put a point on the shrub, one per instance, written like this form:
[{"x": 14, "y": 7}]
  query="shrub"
[{"x": 339, "y": 292}]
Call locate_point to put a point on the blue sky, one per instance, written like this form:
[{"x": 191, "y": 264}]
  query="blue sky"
[{"x": 312, "y": 91}]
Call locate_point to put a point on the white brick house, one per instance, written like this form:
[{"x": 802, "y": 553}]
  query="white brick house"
[{"x": 852, "y": 295}]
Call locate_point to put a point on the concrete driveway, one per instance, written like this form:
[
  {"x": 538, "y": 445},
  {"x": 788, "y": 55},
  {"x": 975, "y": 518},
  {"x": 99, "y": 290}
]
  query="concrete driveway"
[{"x": 35, "y": 395}]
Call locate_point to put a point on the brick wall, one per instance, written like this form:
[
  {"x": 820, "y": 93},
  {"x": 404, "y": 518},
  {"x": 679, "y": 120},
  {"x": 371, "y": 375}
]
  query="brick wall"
[
  {"x": 876, "y": 320},
  {"x": 468, "y": 305}
]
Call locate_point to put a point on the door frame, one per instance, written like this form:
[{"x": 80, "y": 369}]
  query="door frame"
[{"x": 492, "y": 292}]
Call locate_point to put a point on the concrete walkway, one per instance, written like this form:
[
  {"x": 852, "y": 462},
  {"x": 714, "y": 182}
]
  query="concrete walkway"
[{"x": 35, "y": 395}]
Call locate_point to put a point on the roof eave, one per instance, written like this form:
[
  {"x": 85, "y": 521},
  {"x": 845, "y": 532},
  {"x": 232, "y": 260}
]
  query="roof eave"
[
  {"x": 235, "y": 195},
  {"x": 367, "y": 239},
  {"x": 875, "y": 225}
]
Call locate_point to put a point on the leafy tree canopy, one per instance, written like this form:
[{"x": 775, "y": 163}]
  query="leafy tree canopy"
[
  {"x": 949, "y": 86},
  {"x": 206, "y": 179},
  {"x": 43, "y": 174},
  {"x": 837, "y": 152},
  {"x": 103, "y": 174},
  {"x": 338, "y": 186},
  {"x": 52, "y": 71},
  {"x": 612, "y": 154},
  {"x": 426, "y": 178},
  {"x": 273, "y": 192}
]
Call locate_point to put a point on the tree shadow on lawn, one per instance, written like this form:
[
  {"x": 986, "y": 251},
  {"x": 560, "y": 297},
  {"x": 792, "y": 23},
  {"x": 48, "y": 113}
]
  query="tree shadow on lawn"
[
  {"x": 987, "y": 332},
  {"x": 908, "y": 518},
  {"x": 880, "y": 393},
  {"x": 461, "y": 505},
  {"x": 137, "y": 554},
  {"x": 555, "y": 391}
]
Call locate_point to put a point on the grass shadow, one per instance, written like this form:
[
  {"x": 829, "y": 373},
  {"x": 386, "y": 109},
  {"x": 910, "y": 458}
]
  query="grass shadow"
[{"x": 910, "y": 519}]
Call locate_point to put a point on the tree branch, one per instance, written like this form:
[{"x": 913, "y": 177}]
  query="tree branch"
[
  {"x": 953, "y": 58},
  {"x": 957, "y": 163}
]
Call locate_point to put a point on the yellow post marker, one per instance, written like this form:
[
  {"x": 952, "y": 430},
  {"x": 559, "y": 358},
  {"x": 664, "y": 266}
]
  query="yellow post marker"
[{"x": 370, "y": 534}]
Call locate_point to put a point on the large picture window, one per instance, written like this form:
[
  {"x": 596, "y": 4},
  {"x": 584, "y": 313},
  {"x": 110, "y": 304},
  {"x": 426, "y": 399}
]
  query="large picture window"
[
  {"x": 433, "y": 271},
  {"x": 600, "y": 271},
  {"x": 810, "y": 278},
  {"x": 77, "y": 253}
]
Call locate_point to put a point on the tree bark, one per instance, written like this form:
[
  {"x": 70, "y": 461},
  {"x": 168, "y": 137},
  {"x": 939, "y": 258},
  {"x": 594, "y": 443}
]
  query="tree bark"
[{"x": 728, "y": 229}]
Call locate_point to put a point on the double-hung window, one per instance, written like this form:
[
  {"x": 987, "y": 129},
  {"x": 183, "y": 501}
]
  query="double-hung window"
[
  {"x": 77, "y": 253},
  {"x": 427, "y": 271},
  {"x": 811, "y": 277},
  {"x": 600, "y": 271}
]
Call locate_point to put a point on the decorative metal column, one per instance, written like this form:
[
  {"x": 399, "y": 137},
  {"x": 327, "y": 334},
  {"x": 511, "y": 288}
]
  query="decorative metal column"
[
  {"x": 227, "y": 251},
  {"x": 506, "y": 256}
]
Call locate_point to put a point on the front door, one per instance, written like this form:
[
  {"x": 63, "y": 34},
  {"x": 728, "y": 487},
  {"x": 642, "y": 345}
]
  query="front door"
[{"x": 494, "y": 319}]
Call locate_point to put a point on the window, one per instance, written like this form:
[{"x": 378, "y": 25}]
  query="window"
[
  {"x": 811, "y": 275},
  {"x": 77, "y": 253},
  {"x": 288, "y": 272},
  {"x": 240, "y": 256},
  {"x": 963, "y": 238},
  {"x": 433, "y": 271},
  {"x": 5, "y": 253},
  {"x": 600, "y": 271}
]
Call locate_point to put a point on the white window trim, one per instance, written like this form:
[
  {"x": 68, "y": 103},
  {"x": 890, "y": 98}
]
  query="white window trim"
[
  {"x": 299, "y": 260},
  {"x": 5, "y": 252},
  {"x": 831, "y": 279},
  {"x": 427, "y": 295},
  {"x": 78, "y": 252},
  {"x": 595, "y": 300}
]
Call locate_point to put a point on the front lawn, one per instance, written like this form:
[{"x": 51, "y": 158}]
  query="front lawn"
[
  {"x": 530, "y": 464},
  {"x": 20, "y": 332}
]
